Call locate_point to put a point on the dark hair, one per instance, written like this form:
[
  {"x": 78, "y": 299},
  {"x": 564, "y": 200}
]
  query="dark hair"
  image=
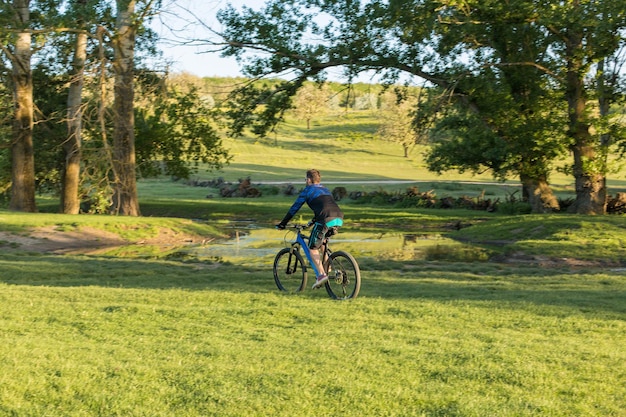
[{"x": 314, "y": 175}]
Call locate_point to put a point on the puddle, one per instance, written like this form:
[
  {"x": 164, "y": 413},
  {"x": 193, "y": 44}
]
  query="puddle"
[{"x": 254, "y": 245}]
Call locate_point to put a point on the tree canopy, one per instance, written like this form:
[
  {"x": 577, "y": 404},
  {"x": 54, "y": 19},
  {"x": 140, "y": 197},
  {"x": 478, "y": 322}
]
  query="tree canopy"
[
  {"x": 523, "y": 76},
  {"x": 504, "y": 86},
  {"x": 74, "y": 69}
]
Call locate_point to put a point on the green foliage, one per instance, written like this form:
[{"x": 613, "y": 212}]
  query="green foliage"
[
  {"x": 504, "y": 89},
  {"x": 176, "y": 132}
]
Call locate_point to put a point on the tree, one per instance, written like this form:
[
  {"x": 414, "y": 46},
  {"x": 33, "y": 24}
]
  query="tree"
[
  {"x": 175, "y": 130},
  {"x": 22, "y": 154},
  {"x": 310, "y": 101},
  {"x": 396, "y": 115},
  {"x": 125, "y": 200},
  {"x": 502, "y": 114},
  {"x": 585, "y": 35},
  {"x": 70, "y": 202},
  {"x": 560, "y": 42}
]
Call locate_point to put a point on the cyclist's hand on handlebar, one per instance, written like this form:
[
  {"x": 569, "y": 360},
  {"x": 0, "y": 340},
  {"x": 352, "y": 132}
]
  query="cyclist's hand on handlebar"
[{"x": 281, "y": 226}]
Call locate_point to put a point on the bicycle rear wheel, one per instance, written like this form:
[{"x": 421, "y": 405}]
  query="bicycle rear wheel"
[
  {"x": 289, "y": 270},
  {"x": 344, "y": 276}
]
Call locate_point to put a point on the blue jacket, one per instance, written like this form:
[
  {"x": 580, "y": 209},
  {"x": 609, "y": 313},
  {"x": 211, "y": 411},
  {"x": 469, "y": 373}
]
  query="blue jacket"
[{"x": 320, "y": 200}]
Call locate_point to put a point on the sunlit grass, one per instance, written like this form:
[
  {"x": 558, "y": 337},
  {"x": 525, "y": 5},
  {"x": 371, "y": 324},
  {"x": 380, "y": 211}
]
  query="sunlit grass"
[
  {"x": 344, "y": 147},
  {"x": 98, "y": 336},
  {"x": 439, "y": 328}
]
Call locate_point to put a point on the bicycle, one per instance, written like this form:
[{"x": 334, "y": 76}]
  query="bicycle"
[{"x": 290, "y": 271}]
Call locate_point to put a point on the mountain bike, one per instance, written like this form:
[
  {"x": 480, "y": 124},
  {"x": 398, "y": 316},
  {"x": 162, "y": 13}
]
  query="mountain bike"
[{"x": 290, "y": 270}]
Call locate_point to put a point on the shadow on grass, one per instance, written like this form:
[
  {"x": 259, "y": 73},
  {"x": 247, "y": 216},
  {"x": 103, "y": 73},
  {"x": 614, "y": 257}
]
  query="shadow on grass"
[
  {"x": 586, "y": 292},
  {"x": 263, "y": 173}
]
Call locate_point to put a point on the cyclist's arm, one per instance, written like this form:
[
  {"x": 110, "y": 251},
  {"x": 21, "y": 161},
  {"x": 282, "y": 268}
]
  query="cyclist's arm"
[{"x": 295, "y": 207}]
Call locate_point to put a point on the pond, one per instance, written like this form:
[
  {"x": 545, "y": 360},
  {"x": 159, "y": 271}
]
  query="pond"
[{"x": 253, "y": 245}]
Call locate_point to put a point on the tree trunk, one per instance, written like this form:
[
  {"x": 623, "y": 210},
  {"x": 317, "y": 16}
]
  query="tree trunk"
[
  {"x": 539, "y": 195},
  {"x": 22, "y": 153},
  {"x": 125, "y": 200},
  {"x": 590, "y": 185},
  {"x": 70, "y": 202},
  {"x": 589, "y": 171}
]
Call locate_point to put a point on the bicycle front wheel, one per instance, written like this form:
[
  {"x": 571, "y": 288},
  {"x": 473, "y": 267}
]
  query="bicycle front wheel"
[
  {"x": 289, "y": 270},
  {"x": 344, "y": 276}
]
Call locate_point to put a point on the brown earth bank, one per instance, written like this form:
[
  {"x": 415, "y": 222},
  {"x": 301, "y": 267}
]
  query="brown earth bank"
[
  {"x": 92, "y": 241},
  {"x": 85, "y": 241}
]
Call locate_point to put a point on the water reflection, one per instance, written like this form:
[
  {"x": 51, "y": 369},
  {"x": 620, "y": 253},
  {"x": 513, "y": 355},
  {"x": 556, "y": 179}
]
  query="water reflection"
[{"x": 253, "y": 245}]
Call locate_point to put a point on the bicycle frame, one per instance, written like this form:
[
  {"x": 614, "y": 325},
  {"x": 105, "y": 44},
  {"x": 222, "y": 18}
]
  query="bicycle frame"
[
  {"x": 300, "y": 240},
  {"x": 290, "y": 267}
]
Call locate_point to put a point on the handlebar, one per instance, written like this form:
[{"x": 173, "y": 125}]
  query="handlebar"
[{"x": 297, "y": 226}]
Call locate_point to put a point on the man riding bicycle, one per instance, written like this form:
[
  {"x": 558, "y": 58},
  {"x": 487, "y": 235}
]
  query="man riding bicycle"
[{"x": 328, "y": 218}]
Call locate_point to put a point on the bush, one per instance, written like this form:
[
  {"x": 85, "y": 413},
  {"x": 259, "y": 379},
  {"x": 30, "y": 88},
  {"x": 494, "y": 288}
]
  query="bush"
[{"x": 514, "y": 208}]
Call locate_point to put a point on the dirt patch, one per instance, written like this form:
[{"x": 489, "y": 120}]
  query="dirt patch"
[{"x": 85, "y": 240}]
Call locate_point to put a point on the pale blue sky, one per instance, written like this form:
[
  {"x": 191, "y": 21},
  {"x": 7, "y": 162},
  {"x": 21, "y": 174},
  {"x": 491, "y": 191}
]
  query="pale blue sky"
[{"x": 195, "y": 59}]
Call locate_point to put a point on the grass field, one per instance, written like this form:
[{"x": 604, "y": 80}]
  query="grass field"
[
  {"x": 85, "y": 336},
  {"x": 512, "y": 316}
]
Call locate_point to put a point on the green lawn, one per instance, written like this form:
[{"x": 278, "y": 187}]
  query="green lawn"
[
  {"x": 511, "y": 316},
  {"x": 85, "y": 336},
  {"x": 433, "y": 332}
]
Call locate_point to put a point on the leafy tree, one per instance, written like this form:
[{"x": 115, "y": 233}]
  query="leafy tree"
[
  {"x": 125, "y": 199},
  {"x": 17, "y": 22},
  {"x": 585, "y": 37},
  {"x": 311, "y": 101},
  {"x": 176, "y": 132},
  {"x": 397, "y": 115},
  {"x": 72, "y": 146},
  {"x": 504, "y": 115},
  {"x": 533, "y": 51}
]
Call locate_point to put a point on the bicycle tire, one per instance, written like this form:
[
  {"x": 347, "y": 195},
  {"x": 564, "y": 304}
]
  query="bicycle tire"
[
  {"x": 344, "y": 276},
  {"x": 290, "y": 273}
]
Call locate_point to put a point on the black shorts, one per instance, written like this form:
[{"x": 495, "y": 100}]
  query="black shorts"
[{"x": 319, "y": 233}]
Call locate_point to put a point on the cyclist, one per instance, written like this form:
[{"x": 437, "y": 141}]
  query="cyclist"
[{"x": 328, "y": 218}]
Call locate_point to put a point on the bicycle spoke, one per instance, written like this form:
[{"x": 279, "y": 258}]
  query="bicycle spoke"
[
  {"x": 345, "y": 276},
  {"x": 290, "y": 273}
]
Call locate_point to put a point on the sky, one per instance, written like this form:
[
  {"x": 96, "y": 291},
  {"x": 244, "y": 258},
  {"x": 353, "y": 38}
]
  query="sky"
[
  {"x": 195, "y": 60},
  {"x": 192, "y": 59}
]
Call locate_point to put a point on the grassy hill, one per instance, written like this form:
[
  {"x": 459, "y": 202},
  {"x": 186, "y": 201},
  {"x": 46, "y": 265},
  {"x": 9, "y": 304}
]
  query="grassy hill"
[{"x": 346, "y": 148}]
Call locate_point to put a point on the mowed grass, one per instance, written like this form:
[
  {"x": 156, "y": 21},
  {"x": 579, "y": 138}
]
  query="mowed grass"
[
  {"x": 436, "y": 331},
  {"x": 346, "y": 147},
  {"x": 85, "y": 336}
]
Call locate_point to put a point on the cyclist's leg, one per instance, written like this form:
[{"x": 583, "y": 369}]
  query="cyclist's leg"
[
  {"x": 332, "y": 231},
  {"x": 316, "y": 240}
]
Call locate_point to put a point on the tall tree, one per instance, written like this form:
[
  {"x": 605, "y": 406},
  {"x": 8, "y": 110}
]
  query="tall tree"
[
  {"x": 506, "y": 119},
  {"x": 22, "y": 153},
  {"x": 125, "y": 200},
  {"x": 584, "y": 34},
  {"x": 70, "y": 201},
  {"x": 427, "y": 39},
  {"x": 132, "y": 17}
]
